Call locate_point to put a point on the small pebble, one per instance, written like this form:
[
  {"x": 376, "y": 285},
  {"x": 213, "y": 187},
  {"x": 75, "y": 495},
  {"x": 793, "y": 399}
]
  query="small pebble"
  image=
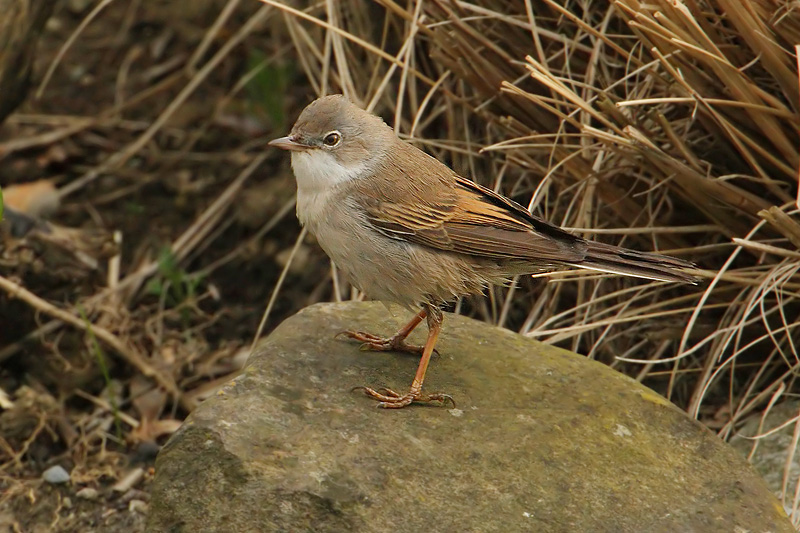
[
  {"x": 88, "y": 493},
  {"x": 146, "y": 451},
  {"x": 78, "y": 6},
  {"x": 137, "y": 506},
  {"x": 129, "y": 480},
  {"x": 55, "y": 475}
]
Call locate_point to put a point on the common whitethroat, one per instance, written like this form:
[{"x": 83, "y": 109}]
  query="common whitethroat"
[{"x": 405, "y": 228}]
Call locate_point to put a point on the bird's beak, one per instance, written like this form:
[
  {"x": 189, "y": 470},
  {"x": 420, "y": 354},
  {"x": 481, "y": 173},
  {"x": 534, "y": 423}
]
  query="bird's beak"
[{"x": 289, "y": 143}]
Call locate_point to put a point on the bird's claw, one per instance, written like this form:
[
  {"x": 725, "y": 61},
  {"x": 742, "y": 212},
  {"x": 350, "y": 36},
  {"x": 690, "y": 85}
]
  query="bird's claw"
[
  {"x": 389, "y": 399},
  {"x": 374, "y": 343}
]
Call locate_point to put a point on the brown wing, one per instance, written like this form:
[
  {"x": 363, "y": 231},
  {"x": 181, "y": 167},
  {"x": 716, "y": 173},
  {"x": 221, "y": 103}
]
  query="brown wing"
[{"x": 451, "y": 213}]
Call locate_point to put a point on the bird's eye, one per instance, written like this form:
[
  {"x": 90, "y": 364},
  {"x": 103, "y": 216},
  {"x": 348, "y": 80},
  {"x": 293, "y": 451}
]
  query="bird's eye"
[{"x": 332, "y": 139}]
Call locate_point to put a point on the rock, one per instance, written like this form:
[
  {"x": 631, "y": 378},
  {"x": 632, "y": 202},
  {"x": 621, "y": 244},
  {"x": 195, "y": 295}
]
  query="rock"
[
  {"x": 78, "y": 6},
  {"x": 129, "y": 480},
  {"x": 541, "y": 440},
  {"x": 137, "y": 506},
  {"x": 88, "y": 493},
  {"x": 56, "y": 475}
]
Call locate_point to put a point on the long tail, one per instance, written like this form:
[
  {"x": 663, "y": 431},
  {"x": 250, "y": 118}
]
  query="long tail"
[{"x": 616, "y": 260}]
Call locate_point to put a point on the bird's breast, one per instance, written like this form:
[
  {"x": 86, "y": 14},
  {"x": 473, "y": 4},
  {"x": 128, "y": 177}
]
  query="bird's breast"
[{"x": 385, "y": 268}]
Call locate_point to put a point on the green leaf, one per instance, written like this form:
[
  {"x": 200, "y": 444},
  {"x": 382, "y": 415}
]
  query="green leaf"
[{"x": 267, "y": 88}]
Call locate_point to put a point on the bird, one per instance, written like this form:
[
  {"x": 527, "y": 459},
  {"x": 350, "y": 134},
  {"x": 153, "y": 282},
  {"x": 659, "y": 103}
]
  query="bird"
[{"x": 404, "y": 227}]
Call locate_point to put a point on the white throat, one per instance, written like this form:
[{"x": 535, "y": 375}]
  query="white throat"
[{"x": 318, "y": 174}]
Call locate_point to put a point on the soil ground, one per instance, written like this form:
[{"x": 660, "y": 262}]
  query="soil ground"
[{"x": 197, "y": 313}]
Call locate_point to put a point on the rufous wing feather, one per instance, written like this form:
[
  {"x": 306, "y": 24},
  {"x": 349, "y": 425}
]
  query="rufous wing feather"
[{"x": 451, "y": 213}]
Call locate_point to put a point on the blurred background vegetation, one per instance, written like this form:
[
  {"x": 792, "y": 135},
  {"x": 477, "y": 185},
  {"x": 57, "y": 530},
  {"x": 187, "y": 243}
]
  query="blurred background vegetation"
[{"x": 147, "y": 227}]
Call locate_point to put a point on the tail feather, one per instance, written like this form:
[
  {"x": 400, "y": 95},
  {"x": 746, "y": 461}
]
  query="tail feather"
[{"x": 615, "y": 260}]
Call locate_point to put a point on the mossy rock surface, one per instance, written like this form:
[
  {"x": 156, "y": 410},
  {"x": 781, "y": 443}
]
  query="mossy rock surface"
[{"x": 542, "y": 440}]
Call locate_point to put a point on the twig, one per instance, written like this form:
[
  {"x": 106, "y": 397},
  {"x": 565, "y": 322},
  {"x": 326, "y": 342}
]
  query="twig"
[{"x": 134, "y": 358}]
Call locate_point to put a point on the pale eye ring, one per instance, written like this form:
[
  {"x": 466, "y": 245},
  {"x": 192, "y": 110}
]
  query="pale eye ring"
[{"x": 332, "y": 139}]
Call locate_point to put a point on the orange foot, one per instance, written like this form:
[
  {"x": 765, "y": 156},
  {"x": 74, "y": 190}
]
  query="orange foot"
[
  {"x": 389, "y": 399},
  {"x": 370, "y": 342}
]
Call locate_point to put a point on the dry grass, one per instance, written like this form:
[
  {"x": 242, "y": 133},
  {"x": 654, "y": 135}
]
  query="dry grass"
[{"x": 659, "y": 125}]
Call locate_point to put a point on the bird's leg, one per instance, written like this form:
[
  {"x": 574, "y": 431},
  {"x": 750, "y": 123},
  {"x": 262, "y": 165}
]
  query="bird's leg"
[
  {"x": 395, "y": 343},
  {"x": 388, "y": 398}
]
